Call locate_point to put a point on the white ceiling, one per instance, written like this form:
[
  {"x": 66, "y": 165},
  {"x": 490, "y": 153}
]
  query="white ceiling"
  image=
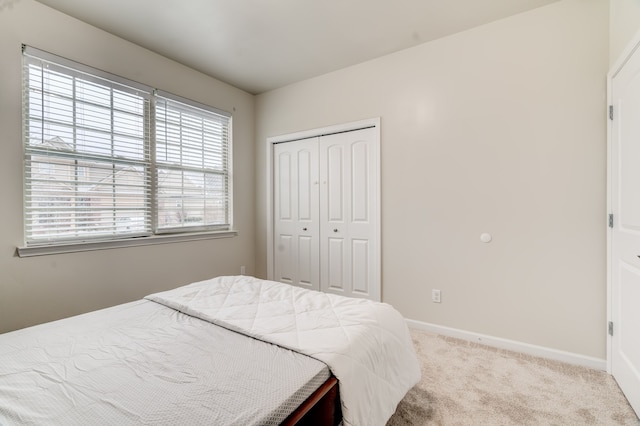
[{"x": 259, "y": 45}]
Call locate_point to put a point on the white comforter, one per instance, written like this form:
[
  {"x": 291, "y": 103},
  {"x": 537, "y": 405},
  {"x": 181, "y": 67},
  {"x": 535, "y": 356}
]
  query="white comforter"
[{"x": 366, "y": 344}]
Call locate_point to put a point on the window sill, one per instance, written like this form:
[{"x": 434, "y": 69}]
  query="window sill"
[{"x": 131, "y": 242}]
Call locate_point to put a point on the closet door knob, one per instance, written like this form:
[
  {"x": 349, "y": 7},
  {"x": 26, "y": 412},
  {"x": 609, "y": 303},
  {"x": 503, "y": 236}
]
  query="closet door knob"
[
  {"x": 335, "y": 230},
  {"x": 304, "y": 229}
]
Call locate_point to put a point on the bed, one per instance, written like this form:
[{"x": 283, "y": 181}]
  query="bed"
[{"x": 227, "y": 351}]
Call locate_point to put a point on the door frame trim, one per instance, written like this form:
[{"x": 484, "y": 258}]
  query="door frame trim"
[
  {"x": 627, "y": 53},
  {"x": 337, "y": 128}
]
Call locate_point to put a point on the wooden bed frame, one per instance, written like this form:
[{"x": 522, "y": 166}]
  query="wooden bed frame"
[{"x": 322, "y": 408}]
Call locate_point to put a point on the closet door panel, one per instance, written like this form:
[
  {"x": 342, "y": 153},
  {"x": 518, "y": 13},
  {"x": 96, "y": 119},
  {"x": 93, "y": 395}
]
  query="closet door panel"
[
  {"x": 284, "y": 187},
  {"x": 306, "y": 191},
  {"x": 296, "y": 228},
  {"x": 360, "y": 266},
  {"x": 362, "y": 223},
  {"x": 334, "y": 183},
  {"x": 306, "y": 261},
  {"x": 348, "y": 172},
  {"x": 284, "y": 192},
  {"x": 360, "y": 190},
  {"x": 285, "y": 268},
  {"x": 335, "y": 266}
]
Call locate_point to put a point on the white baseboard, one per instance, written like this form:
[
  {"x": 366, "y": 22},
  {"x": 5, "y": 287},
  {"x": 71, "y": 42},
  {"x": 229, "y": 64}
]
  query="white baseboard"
[{"x": 512, "y": 345}]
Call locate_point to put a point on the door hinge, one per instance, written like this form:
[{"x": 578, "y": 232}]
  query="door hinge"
[
  {"x": 610, "y": 220},
  {"x": 610, "y": 328},
  {"x": 610, "y": 112}
]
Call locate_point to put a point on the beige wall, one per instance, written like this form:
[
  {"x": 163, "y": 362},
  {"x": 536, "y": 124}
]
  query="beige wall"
[
  {"x": 624, "y": 19},
  {"x": 499, "y": 129},
  {"x": 33, "y": 290}
]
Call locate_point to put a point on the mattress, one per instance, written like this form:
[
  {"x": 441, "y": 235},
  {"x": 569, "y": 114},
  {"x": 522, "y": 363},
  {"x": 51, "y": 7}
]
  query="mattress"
[{"x": 146, "y": 364}]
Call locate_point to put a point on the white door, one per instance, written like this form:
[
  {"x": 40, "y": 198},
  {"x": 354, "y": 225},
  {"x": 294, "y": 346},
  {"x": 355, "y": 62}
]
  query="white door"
[
  {"x": 624, "y": 174},
  {"x": 296, "y": 225},
  {"x": 349, "y": 214}
]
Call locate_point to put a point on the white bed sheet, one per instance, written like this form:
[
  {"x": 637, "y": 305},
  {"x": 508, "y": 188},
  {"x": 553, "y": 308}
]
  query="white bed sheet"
[
  {"x": 366, "y": 344},
  {"x": 145, "y": 364}
]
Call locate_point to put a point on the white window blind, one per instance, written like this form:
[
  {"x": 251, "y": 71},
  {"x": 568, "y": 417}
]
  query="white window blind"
[
  {"x": 192, "y": 165},
  {"x": 87, "y": 162},
  {"x": 108, "y": 159}
]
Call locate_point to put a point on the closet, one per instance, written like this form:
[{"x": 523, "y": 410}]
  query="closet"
[{"x": 325, "y": 210}]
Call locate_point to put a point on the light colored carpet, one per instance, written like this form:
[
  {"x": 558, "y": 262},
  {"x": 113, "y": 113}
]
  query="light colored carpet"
[{"x": 465, "y": 383}]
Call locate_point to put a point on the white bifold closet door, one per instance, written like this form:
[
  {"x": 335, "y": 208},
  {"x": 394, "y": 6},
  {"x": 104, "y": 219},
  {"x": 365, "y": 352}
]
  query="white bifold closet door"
[
  {"x": 296, "y": 212},
  {"x": 326, "y": 223}
]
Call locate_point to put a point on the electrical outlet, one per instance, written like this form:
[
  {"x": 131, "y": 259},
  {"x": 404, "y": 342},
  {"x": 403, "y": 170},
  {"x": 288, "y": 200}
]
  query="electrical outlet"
[
  {"x": 242, "y": 270},
  {"x": 435, "y": 296}
]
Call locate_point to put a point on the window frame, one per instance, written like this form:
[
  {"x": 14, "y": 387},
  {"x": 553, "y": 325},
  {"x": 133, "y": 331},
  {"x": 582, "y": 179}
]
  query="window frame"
[{"x": 152, "y": 233}]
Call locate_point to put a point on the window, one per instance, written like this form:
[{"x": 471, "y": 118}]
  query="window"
[
  {"x": 106, "y": 158},
  {"x": 191, "y": 166}
]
